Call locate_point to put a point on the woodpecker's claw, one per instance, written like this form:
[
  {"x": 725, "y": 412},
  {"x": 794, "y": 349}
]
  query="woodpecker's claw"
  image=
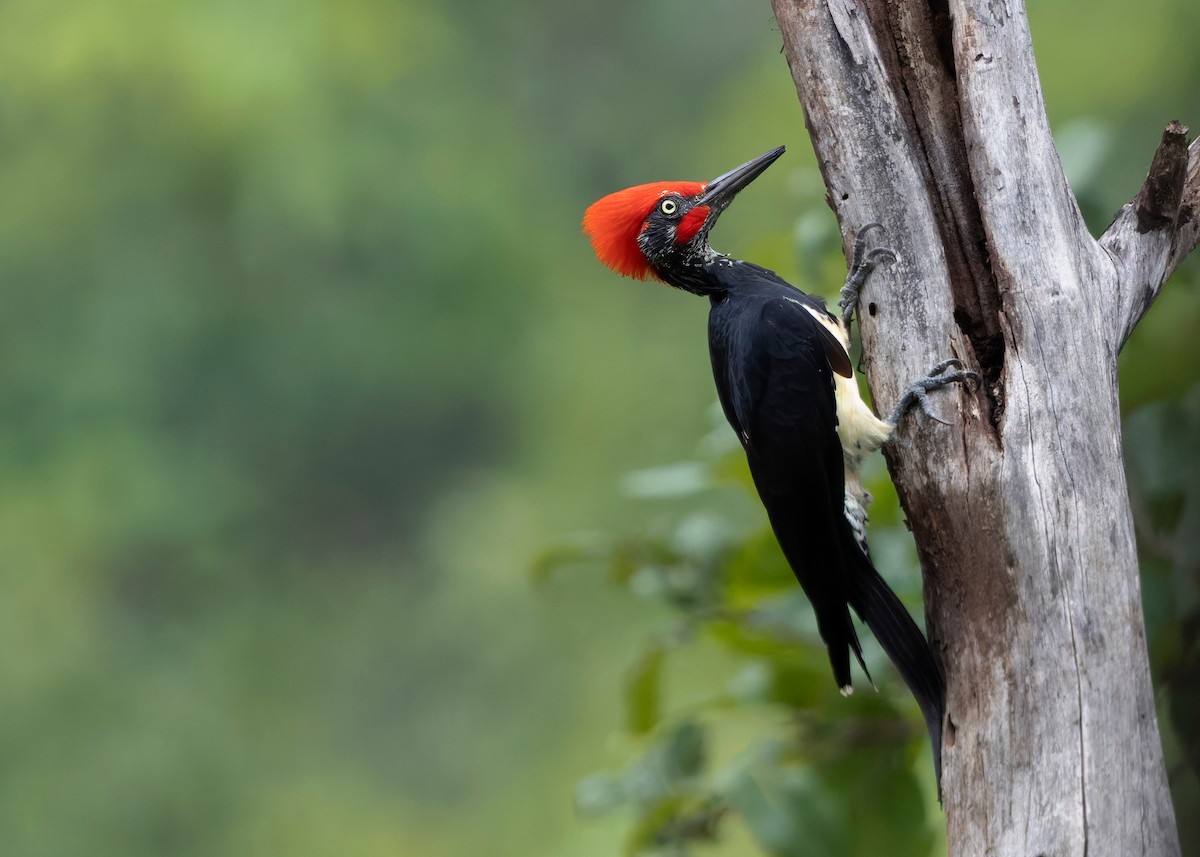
[
  {"x": 862, "y": 263},
  {"x": 860, "y": 241},
  {"x": 938, "y": 377}
]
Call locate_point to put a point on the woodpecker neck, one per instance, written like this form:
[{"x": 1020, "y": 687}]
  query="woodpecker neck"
[{"x": 694, "y": 271}]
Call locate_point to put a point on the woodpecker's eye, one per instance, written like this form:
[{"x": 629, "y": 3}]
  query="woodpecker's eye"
[{"x": 668, "y": 206}]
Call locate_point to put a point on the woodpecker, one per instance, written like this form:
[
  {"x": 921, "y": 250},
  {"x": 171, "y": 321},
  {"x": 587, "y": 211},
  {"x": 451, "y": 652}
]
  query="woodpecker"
[{"x": 784, "y": 378}]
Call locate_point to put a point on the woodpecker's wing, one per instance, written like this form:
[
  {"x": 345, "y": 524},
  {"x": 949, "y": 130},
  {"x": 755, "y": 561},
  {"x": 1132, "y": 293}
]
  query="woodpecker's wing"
[
  {"x": 775, "y": 382},
  {"x": 829, "y": 329},
  {"x": 781, "y": 377}
]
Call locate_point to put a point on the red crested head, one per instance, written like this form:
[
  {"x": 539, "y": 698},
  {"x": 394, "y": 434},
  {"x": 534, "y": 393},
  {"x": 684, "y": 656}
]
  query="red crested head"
[
  {"x": 661, "y": 229},
  {"x": 614, "y": 223}
]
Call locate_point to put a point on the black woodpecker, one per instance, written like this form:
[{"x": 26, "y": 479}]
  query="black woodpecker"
[{"x": 783, "y": 374}]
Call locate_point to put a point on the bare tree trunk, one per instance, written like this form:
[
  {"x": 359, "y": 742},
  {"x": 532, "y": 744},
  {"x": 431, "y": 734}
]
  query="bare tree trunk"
[{"x": 928, "y": 117}]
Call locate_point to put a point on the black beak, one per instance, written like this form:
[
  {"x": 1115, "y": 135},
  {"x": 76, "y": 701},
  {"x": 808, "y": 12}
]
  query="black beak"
[{"x": 719, "y": 192}]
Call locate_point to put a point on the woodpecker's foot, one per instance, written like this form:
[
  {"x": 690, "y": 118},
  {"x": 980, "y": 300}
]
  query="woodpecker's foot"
[
  {"x": 862, "y": 264},
  {"x": 938, "y": 377}
]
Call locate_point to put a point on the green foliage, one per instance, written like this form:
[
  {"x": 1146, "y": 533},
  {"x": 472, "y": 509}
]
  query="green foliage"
[
  {"x": 799, "y": 784},
  {"x": 643, "y": 691}
]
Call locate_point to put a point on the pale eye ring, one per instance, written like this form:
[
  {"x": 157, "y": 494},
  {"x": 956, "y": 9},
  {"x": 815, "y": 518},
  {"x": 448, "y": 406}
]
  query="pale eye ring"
[{"x": 668, "y": 206}]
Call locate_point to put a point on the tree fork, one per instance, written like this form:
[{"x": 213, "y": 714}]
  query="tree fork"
[{"x": 928, "y": 117}]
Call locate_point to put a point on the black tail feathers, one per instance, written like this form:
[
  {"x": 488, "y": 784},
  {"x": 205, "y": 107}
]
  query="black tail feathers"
[
  {"x": 844, "y": 639},
  {"x": 904, "y": 643}
]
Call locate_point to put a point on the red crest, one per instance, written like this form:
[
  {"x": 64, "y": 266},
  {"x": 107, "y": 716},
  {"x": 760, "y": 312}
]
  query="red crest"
[{"x": 614, "y": 223}]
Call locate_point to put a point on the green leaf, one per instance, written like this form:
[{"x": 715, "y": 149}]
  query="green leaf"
[
  {"x": 597, "y": 794},
  {"x": 643, "y": 691},
  {"x": 667, "y": 826},
  {"x": 702, "y": 536},
  {"x": 578, "y": 549},
  {"x": 671, "y": 765},
  {"x": 648, "y": 833},
  {"x": 788, "y": 813},
  {"x": 684, "y": 751},
  {"x": 681, "y": 479}
]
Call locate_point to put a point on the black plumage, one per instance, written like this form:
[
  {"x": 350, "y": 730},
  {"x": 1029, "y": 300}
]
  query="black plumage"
[
  {"x": 773, "y": 370},
  {"x": 774, "y": 357}
]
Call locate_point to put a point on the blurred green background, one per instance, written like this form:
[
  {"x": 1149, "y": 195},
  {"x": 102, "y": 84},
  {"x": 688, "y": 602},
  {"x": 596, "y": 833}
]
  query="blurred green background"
[{"x": 307, "y": 376}]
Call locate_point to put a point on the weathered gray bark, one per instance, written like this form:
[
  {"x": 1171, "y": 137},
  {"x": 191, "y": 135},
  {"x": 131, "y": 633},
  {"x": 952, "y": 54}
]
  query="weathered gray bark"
[{"x": 928, "y": 117}]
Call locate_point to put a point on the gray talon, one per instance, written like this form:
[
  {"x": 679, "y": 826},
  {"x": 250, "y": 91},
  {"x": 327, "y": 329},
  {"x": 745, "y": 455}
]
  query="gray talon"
[
  {"x": 860, "y": 242},
  {"x": 962, "y": 376},
  {"x": 878, "y": 254},
  {"x": 938, "y": 377},
  {"x": 927, "y": 408},
  {"x": 862, "y": 263},
  {"x": 944, "y": 365}
]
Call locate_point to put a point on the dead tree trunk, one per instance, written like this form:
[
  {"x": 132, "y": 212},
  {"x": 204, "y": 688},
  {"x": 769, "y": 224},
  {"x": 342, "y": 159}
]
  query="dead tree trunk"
[{"x": 928, "y": 116}]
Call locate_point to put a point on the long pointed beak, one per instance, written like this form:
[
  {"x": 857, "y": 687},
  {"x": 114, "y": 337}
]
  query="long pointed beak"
[{"x": 719, "y": 192}]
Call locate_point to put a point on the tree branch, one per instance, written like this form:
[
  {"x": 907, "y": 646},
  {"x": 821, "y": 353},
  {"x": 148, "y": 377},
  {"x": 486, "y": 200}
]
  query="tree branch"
[
  {"x": 1157, "y": 202},
  {"x": 1187, "y": 223},
  {"x": 1151, "y": 235}
]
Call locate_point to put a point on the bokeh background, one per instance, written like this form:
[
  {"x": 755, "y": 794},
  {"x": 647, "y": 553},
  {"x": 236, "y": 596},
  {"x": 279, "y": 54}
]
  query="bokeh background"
[{"x": 317, "y": 415}]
